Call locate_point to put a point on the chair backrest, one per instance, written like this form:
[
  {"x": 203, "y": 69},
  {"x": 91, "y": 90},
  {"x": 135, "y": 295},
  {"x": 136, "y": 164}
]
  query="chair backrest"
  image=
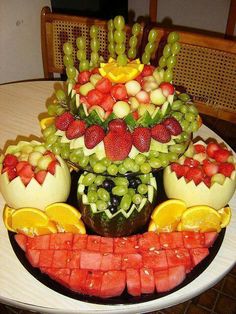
[
  {"x": 206, "y": 69},
  {"x": 56, "y": 29}
]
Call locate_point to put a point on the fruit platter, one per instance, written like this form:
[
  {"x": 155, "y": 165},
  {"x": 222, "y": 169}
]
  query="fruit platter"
[{"x": 124, "y": 199}]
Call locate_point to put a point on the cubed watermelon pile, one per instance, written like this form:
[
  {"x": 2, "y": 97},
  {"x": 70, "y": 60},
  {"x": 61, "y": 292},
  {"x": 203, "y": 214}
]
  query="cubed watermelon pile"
[{"x": 105, "y": 267}]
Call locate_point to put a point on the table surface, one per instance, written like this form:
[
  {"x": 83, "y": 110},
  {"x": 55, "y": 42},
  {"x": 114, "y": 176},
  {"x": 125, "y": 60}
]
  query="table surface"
[{"x": 21, "y": 106}]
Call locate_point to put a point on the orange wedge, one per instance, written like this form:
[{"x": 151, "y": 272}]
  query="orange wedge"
[
  {"x": 200, "y": 218},
  {"x": 152, "y": 226},
  {"x": 28, "y": 218},
  {"x": 62, "y": 213},
  {"x": 226, "y": 215},
  {"x": 46, "y": 122},
  {"x": 121, "y": 74},
  {"x": 76, "y": 228},
  {"x": 167, "y": 215},
  {"x": 7, "y": 213}
]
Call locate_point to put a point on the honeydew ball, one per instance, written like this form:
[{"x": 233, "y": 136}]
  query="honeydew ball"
[
  {"x": 121, "y": 109},
  {"x": 34, "y": 158},
  {"x": 132, "y": 87}
]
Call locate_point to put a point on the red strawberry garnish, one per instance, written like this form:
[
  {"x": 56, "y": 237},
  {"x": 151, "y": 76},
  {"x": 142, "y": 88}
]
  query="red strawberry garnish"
[
  {"x": 40, "y": 176},
  {"x": 93, "y": 136},
  {"x": 10, "y": 161},
  {"x": 63, "y": 121},
  {"x": 160, "y": 133},
  {"x": 180, "y": 170},
  {"x": 11, "y": 172},
  {"x": 94, "y": 97},
  {"x": 107, "y": 102},
  {"x": 117, "y": 125},
  {"x": 221, "y": 155},
  {"x": 191, "y": 162},
  {"x": 104, "y": 85},
  {"x": 226, "y": 168},
  {"x": 210, "y": 168},
  {"x": 76, "y": 129},
  {"x": 147, "y": 70},
  {"x": 26, "y": 174},
  {"x": 212, "y": 148},
  {"x": 52, "y": 166},
  {"x": 195, "y": 174},
  {"x": 173, "y": 126},
  {"x": 142, "y": 139},
  {"x": 199, "y": 148},
  {"x": 83, "y": 100},
  {"x": 117, "y": 145},
  {"x": 84, "y": 76},
  {"x": 167, "y": 89},
  {"x": 119, "y": 92}
]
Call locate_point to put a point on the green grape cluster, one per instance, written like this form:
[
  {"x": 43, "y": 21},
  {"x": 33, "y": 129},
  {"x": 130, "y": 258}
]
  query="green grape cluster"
[
  {"x": 133, "y": 41},
  {"x": 110, "y": 37},
  {"x": 69, "y": 63},
  {"x": 120, "y": 38},
  {"x": 168, "y": 59},
  {"x": 81, "y": 54},
  {"x": 150, "y": 46},
  {"x": 95, "y": 46}
]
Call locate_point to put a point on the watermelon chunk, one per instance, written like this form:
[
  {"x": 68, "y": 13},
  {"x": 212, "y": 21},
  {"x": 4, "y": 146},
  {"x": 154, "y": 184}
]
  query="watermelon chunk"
[
  {"x": 179, "y": 257},
  {"x": 149, "y": 241},
  {"x": 33, "y": 257},
  {"x": 61, "y": 275},
  {"x": 113, "y": 283},
  {"x": 90, "y": 260},
  {"x": 171, "y": 240},
  {"x": 133, "y": 260},
  {"x": 46, "y": 258},
  {"x": 176, "y": 276},
  {"x": 73, "y": 259},
  {"x": 78, "y": 280},
  {"x": 147, "y": 280},
  {"x": 133, "y": 282},
  {"x": 162, "y": 280},
  {"x": 93, "y": 243},
  {"x": 79, "y": 241},
  {"x": 60, "y": 259},
  {"x": 21, "y": 240},
  {"x": 210, "y": 238},
  {"x": 61, "y": 241},
  {"x": 125, "y": 244},
  {"x": 110, "y": 261},
  {"x": 193, "y": 239},
  {"x": 106, "y": 245},
  {"x": 155, "y": 260},
  {"x": 39, "y": 243},
  {"x": 198, "y": 254},
  {"x": 93, "y": 283}
]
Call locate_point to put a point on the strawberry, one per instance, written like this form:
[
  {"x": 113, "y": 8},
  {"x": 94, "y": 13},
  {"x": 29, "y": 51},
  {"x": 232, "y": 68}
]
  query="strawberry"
[
  {"x": 195, "y": 174},
  {"x": 117, "y": 125},
  {"x": 210, "y": 168},
  {"x": 26, "y": 174},
  {"x": 62, "y": 122},
  {"x": 173, "y": 126},
  {"x": 83, "y": 100},
  {"x": 83, "y": 77},
  {"x": 142, "y": 139},
  {"x": 199, "y": 148},
  {"x": 104, "y": 85},
  {"x": 76, "y": 129},
  {"x": 226, "y": 168},
  {"x": 147, "y": 70},
  {"x": 77, "y": 87},
  {"x": 40, "y": 176},
  {"x": 221, "y": 155},
  {"x": 94, "y": 97},
  {"x": 95, "y": 71},
  {"x": 191, "y": 162},
  {"x": 139, "y": 78},
  {"x": 180, "y": 170},
  {"x": 107, "y": 102},
  {"x": 119, "y": 92},
  {"x": 10, "y": 160},
  {"x": 117, "y": 145},
  {"x": 52, "y": 166},
  {"x": 160, "y": 133},
  {"x": 212, "y": 148},
  {"x": 11, "y": 172},
  {"x": 167, "y": 89},
  {"x": 21, "y": 165},
  {"x": 93, "y": 136}
]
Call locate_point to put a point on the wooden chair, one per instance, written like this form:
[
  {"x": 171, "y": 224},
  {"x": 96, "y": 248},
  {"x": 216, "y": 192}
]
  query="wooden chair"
[
  {"x": 206, "y": 69},
  {"x": 56, "y": 29}
]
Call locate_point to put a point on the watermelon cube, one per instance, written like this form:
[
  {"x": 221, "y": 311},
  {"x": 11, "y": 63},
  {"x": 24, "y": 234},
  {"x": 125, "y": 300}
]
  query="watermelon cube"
[
  {"x": 125, "y": 245},
  {"x": 46, "y": 258},
  {"x": 198, "y": 254},
  {"x": 77, "y": 281},
  {"x": 110, "y": 261},
  {"x": 61, "y": 275},
  {"x": 90, "y": 260},
  {"x": 133, "y": 281},
  {"x": 21, "y": 240},
  {"x": 210, "y": 238},
  {"x": 39, "y": 243},
  {"x": 73, "y": 259},
  {"x": 147, "y": 280},
  {"x": 193, "y": 239},
  {"x": 61, "y": 241},
  {"x": 33, "y": 257},
  {"x": 179, "y": 257},
  {"x": 113, "y": 283},
  {"x": 149, "y": 241},
  {"x": 60, "y": 259},
  {"x": 133, "y": 260},
  {"x": 176, "y": 276},
  {"x": 93, "y": 283},
  {"x": 93, "y": 243},
  {"x": 162, "y": 280},
  {"x": 79, "y": 241},
  {"x": 155, "y": 260},
  {"x": 171, "y": 240},
  {"x": 106, "y": 245}
]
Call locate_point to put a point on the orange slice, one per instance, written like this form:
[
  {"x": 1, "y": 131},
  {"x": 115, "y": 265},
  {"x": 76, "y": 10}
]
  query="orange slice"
[
  {"x": 200, "y": 218},
  {"x": 62, "y": 213},
  {"x": 7, "y": 219},
  {"x": 28, "y": 218},
  {"x": 152, "y": 226},
  {"x": 226, "y": 215},
  {"x": 44, "y": 123},
  {"x": 167, "y": 215},
  {"x": 121, "y": 74},
  {"x": 75, "y": 228}
]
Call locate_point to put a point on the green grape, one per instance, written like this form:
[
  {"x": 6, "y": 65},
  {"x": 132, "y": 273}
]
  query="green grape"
[
  {"x": 136, "y": 168},
  {"x": 94, "y": 44},
  {"x": 122, "y": 59},
  {"x": 110, "y": 24},
  {"x": 132, "y": 52},
  {"x": 146, "y": 58},
  {"x": 111, "y": 48},
  {"x": 167, "y": 50},
  {"x": 110, "y": 36},
  {"x": 119, "y": 22},
  {"x": 83, "y": 162},
  {"x": 131, "y": 192},
  {"x": 101, "y": 205},
  {"x": 189, "y": 116},
  {"x": 125, "y": 202},
  {"x": 172, "y": 37},
  {"x": 195, "y": 126},
  {"x": 129, "y": 163},
  {"x": 133, "y": 41},
  {"x": 185, "y": 136},
  {"x": 65, "y": 152},
  {"x": 140, "y": 159},
  {"x": 112, "y": 170},
  {"x": 60, "y": 94},
  {"x": 137, "y": 199},
  {"x": 71, "y": 72},
  {"x": 177, "y": 148},
  {"x": 121, "y": 181},
  {"x": 92, "y": 196},
  {"x": 81, "y": 43},
  {"x": 145, "y": 168},
  {"x": 84, "y": 65},
  {"x": 153, "y": 153},
  {"x": 99, "y": 168},
  {"x": 177, "y": 115},
  {"x": 162, "y": 62},
  {"x": 73, "y": 157},
  {"x": 67, "y": 49},
  {"x": 103, "y": 194},
  {"x": 81, "y": 55},
  {"x": 172, "y": 156},
  {"x": 59, "y": 110},
  {"x": 120, "y": 190},
  {"x": 142, "y": 188},
  {"x": 94, "y": 58},
  {"x": 184, "y": 124},
  {"x": 68, "y": 60},
  {"x": 193, "y": 109},
  {"x": 52, "y": 138},
  {"x": 120, "y": 49},
  {"x": 56, "y": 149},
  {"x": 106, "y": 162},
  {"x": 184, "y": 97},
  {"x": 168, "y": 75},
  {"x": 184, "y": 109},
  {"x": 171, "y": 62},
  {"x": 119, "y": 37},
  {"x": 49, "y": 131},
  {"x": 152, "y": 36},
  {"x": 51, "y": 110},
  {"x": 176, "y": 105},
  {"x": 92, "y": 187},
  {"x": 175, "y": 48},
  {"x": 93, "y": 31},
  {"x": 88, "y": 179},
  {"x": 99, "y": 180},
  {"x": 93, "y": 160},
  {"x": 122, "y": 169},
  {"x": 71, "y": 81},
  {"x": 150, "y": 47},
  {"x": 163, "y": 157},
  {"x": 136, "y": 29},
  {"x": 145, "y": 178},
  {"x": 154, "y": 162}
]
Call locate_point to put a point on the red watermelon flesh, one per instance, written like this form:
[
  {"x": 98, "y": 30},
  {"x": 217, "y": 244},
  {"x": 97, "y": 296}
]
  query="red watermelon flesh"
[{"x": 103, "y": 267}]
